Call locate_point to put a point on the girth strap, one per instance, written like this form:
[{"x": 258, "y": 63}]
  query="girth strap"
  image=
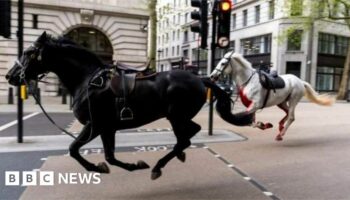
[
  {"x": 126, "y": 113},
  {"x": 266, "y": 98}
]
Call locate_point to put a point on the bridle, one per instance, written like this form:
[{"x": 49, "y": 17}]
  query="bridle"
[{"x": 35, "y": 55}]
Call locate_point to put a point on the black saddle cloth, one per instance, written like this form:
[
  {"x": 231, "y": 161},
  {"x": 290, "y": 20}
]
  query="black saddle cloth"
[{"x": 271, "y": 82}]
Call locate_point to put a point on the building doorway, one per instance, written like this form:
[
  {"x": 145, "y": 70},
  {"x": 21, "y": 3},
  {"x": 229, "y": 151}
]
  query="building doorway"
[
  {"x": 293, "y": 68},
  {"x": 94, "y": 40}
]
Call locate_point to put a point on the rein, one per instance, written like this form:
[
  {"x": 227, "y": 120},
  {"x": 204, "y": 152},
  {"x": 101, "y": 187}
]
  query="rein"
[{"x": 22, "y": 79}]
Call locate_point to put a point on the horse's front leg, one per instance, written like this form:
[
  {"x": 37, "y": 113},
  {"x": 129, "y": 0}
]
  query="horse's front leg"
[
  {"x": 184, "y": 131},
  {"x": 86, "y": 135},
  {"x": 253, "y": 107},
  {"x": 108, "y": 140}
]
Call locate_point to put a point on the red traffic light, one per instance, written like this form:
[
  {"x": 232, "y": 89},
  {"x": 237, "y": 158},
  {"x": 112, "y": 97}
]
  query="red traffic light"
[{"x": 225, "y": 5}]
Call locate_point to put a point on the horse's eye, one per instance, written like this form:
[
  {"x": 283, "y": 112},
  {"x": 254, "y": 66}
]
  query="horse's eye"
[{"x": 32, "y": 56}]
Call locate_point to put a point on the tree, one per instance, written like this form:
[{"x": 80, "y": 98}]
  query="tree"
[
  {"x": 337, "y": 10},
  {"x": 153, "y": 31}
]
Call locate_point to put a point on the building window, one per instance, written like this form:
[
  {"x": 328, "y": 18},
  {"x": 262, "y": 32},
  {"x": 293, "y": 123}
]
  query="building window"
[
  {"x": 328, "y": 78},
  {"x": 232, "y": 46},
  {"x": 272, "y": 9},
  {"x": 257, "y": 14},
  {"x": 35, "y": 21},
  {"x": 186, "y": 18},
  {"x": 178, "y": 50},
  {"x": 186, "y": 36},
  {"x": 296, "y": 8},
  {"x": 256, "y": 45},
  {"x": 178, "y": 34},
  {"x": 333, "y": 44},
  {"x": 202, "y": 62},
  {"x": 294, "y": 40},
  {"x": 245, "y": 17},
  {"x": 172, "y": 51},
  {"x": 234, "y": 21},
  {"x": 185, "y": 53}
]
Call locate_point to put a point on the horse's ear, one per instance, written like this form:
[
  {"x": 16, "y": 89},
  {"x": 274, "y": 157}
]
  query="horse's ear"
[{"x": 41, "y": 39}]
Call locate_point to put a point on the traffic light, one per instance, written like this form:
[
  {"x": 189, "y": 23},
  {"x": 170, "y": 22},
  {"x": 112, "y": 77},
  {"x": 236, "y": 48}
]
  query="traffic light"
[
  {"x": 201, "y": 26},
  {"x": 5, "y": 18},
  {"x": 224, "y": 18}
]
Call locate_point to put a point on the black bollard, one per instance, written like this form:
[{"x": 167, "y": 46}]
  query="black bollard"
[
  {"x": 10, "y": 96},
  {"x": 64, "y": 96}
]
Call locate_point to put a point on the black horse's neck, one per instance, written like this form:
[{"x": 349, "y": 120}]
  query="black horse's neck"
[{"x": 72, "y": 64}]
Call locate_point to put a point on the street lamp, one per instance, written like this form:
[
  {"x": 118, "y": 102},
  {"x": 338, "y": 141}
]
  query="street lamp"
[{"x": 159, "y": 51}]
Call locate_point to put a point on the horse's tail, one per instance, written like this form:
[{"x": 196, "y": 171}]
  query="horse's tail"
[
  {"x": 313, "y": 96},
  {"x": 223, "y": 106}
]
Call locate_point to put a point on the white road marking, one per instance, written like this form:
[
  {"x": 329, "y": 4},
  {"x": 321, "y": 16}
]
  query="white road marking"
[
  {"x": 247, "y": 178},
  {"x": 268, "y": 193},
  {"x": 8, "y": 125}
]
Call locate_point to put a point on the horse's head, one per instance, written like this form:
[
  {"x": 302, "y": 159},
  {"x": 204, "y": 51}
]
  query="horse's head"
[
  {"x": 29, "y": 66},
  {"x": 229, "y": 64},
  {"x": 223, "y": 67}
]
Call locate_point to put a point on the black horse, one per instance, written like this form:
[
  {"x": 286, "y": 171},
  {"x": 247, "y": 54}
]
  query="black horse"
[{"x": 177, "y": 95}]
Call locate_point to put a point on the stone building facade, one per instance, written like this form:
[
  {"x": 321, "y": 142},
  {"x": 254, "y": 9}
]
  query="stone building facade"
[
  {"x": 257, "y": 31},
  {"x": 113, "y": 29}
]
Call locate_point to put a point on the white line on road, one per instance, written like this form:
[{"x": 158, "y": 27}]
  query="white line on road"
[{"x": 8, "y": 125}]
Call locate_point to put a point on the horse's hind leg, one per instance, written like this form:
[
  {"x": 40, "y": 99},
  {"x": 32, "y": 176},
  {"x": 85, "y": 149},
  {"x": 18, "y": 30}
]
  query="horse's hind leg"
[
  {"x": 86, "y": 135},
  {"x": 108, "y": 140},
  {"x": 290, "y": 117},
  {"x": 285, "y": 108},
  {"x": 184, "y": 131}
]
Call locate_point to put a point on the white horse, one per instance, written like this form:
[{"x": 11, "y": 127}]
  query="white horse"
[{"x": 256, "y": 97}]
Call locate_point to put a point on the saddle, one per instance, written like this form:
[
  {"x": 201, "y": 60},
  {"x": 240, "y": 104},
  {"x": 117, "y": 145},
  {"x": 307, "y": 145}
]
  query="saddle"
[
  {"x": 271, "y": 82},
  {"x": 122, "y": 82}
]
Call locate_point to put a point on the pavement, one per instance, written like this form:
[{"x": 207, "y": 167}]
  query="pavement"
[{"x": 312, "y": 162}]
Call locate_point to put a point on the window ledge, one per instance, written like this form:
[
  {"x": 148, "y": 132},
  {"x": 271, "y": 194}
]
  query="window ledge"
[{"x": 294, "y": 51}]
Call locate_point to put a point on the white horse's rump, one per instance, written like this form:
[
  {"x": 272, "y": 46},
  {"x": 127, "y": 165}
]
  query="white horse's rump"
[{"x": 253, "y": 95}]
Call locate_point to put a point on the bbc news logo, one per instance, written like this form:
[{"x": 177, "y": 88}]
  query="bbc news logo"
[{"x": 47, "y": 178}]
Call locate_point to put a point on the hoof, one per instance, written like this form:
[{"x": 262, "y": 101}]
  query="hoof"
[
  {"x": 263, "y": 126},
  {"x": 142, "y": 165},
  {"x": 279, "y": 138},
  {"x": 156, "y": 175},
  {"x": 103, "y": 167},
  {"x": 182, "y": 156},
  {"x": 268, "y": 125}
]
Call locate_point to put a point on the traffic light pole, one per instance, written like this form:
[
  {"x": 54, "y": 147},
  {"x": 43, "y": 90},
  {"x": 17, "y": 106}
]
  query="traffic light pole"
[
  {"x": 20, "y": 51},
  {"x": 212, "y": 63}
]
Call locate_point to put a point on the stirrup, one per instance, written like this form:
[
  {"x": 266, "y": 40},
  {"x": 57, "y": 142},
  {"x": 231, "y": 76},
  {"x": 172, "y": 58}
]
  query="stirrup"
[{"x": 126, "y": 114}]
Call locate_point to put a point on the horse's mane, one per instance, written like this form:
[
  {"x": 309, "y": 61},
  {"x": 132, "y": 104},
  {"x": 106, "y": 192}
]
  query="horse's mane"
[
  {"x": 64, "y": 42},
  {"x": 239, "y": 58}
]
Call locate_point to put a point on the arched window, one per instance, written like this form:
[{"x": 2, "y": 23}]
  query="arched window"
[{"x": 94, "y": 40}]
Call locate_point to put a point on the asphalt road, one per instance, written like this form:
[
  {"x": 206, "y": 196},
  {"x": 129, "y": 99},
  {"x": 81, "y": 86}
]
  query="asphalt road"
[
  {"x": 27, "y": 161},
  {"x": 35, "y": 125}
]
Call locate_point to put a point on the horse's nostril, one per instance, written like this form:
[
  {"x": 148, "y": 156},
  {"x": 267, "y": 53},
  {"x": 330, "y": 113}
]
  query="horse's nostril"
[{"x": 7, "y": 77}]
